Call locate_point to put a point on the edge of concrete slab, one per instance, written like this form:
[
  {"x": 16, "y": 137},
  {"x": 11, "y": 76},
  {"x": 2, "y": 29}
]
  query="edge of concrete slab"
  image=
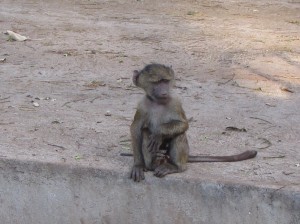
[{"x": 48, "y": 192}]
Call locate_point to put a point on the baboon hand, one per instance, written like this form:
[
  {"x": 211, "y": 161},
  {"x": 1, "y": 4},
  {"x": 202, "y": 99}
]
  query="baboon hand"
[
  {"x": 155, "y": 142},
  {"x": 137, "y": 173},
  {"x": 162, "y": 170}
]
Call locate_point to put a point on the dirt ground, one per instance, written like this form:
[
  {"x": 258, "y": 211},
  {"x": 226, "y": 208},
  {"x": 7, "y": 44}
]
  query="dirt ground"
[{"x": 66, "y": 94}]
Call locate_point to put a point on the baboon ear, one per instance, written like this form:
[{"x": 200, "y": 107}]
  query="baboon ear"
[{"x": 135, "y": 77}]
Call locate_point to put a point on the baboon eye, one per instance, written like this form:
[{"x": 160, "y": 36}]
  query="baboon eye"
[
  {"x": 155, "y": 82},
  {"x": 164, "y": 80}
]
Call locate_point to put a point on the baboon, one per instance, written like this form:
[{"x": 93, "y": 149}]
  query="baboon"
[{"x": 158, "y": 131}]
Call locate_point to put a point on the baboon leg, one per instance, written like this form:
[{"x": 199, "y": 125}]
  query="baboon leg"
[
  {"x": 148, "y": 157},
  {"x": 178, "y": 157}
]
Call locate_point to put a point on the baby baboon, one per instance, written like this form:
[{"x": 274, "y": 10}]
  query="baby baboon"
[{"x": 158, "y": 131}]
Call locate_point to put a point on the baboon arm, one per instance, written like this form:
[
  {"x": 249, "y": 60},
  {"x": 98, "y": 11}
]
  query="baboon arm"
[
  {"x": 136, "y": 138},
  {"x": 178, "y": 123},
  {"x": 173, "y": 128}
]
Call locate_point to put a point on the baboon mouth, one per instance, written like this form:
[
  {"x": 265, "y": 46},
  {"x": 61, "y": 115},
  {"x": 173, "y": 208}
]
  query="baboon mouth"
[{"x": 163, "y": 99}]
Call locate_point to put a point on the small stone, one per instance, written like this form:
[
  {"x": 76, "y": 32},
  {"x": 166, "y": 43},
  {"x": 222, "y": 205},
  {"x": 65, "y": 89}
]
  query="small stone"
[
  {"x": 107, "y": 113},
  {"x": 36, "y": 104}
]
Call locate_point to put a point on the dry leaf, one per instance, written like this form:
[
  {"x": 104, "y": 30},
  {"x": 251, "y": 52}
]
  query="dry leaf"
[
  {"x": 287, "y": 90},
  {"x": 236, "y": 129}
]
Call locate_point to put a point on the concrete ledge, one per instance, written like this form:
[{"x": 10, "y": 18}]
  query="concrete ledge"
[{"x": 36, "y": 192}]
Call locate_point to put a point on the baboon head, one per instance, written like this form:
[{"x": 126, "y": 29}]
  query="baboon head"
[{"x": 157, "y": 81}]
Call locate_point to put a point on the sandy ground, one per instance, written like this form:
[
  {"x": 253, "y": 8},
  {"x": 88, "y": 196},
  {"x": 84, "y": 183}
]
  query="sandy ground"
[{"x": 237, "y": 64}]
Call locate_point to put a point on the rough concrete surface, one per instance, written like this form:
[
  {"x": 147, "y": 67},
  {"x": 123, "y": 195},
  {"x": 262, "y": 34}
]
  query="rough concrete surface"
[{"x": 66, "y": 103}]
